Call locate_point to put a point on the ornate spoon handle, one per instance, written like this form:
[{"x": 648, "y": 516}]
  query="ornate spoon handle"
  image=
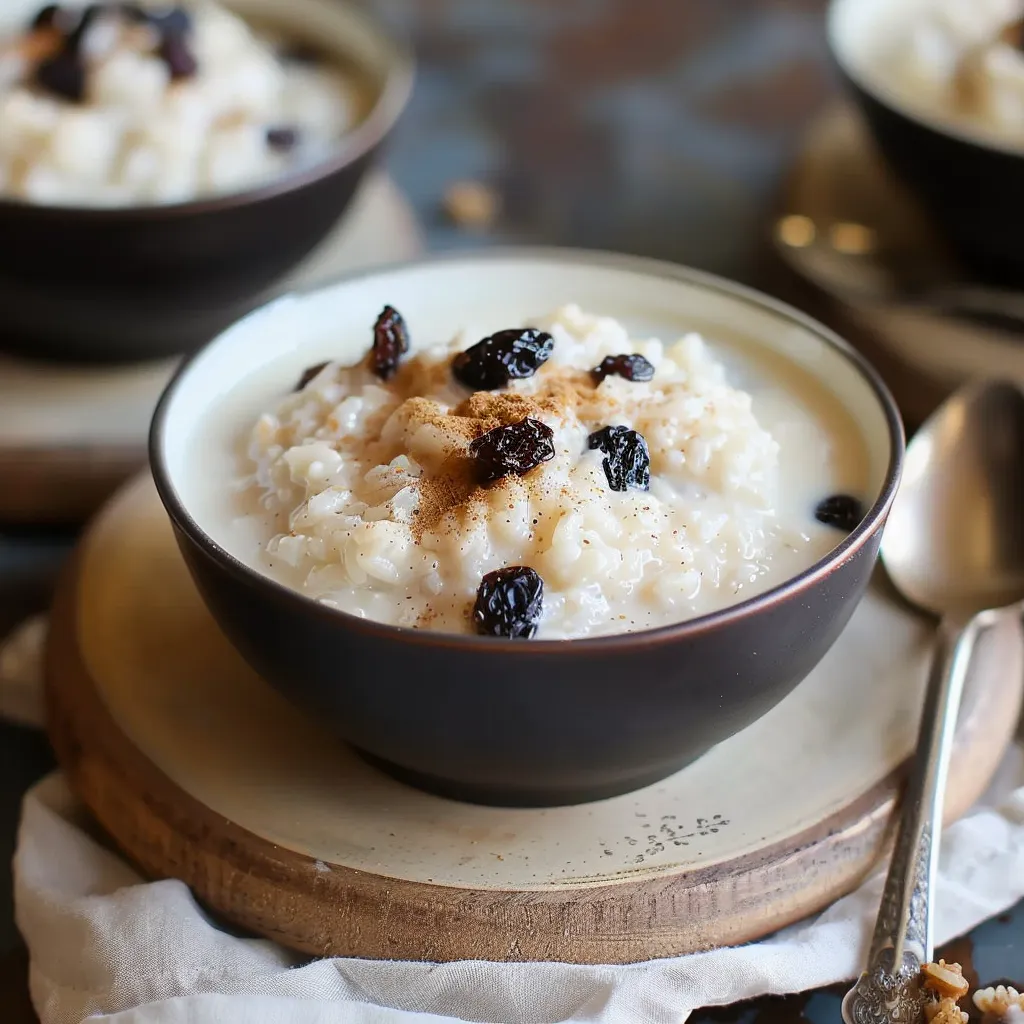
[{"x": 887, "y": 992}]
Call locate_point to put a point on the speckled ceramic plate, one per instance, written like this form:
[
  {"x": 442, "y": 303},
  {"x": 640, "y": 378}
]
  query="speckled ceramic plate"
[
  {"x": 201, "y": 772},
  {"x": 69, "y": 435}
]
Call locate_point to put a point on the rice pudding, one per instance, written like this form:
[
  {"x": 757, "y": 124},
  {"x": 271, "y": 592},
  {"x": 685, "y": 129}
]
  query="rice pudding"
[
  {"x": 561, "y": 480},
  {"x": 119, "y": 104},
  {"x": 958, "y": 61}
]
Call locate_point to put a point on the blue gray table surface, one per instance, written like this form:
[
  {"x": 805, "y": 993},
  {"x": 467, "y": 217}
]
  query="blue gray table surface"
[{"x": 659, "y": 127}]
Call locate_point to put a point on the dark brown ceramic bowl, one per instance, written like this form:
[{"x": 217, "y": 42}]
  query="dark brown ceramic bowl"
[
  {"x": 505, "y": 721},
  {"x": 150, "y": 281},
  {"x": 969, "y": 181}
]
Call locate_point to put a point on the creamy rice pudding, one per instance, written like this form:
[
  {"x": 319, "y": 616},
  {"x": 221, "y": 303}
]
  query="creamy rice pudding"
[
  {"x": 116, "y": 104},
  {"x": 961, "y": 61},
  {"x": 561, "y": 480}
]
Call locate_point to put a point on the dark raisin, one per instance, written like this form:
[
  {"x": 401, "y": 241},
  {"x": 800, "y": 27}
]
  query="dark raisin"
[
  {"x": 508, "y": 355},
  {"x": 515, "y": 449},
  {"x": 69, "y": 22},
  {"x": 308, "y": 375},
  {"x": 633, "y": 367},
  {"x": 509, "y": 603},
  {"x": 49, "y": 16},
  {"x": 626, "y": 462},
  {"x": 841, "y": 511},
  {"x": 88, "y": 15},
  {"x": 64, "y": 75},
  {"x": 390, "y": 342},
  {"x": 282, "y": 138},
  {"x": 175, "y": 52}
]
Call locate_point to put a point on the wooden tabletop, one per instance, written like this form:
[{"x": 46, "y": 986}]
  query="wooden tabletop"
[{"x": 648, "y": 126}]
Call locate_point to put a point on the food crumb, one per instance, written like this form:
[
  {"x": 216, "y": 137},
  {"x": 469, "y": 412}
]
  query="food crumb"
[
  {"x": 472, "y": 205},
  {"x": 1000, "y": 1002},
  {"x": 944, "y": 1011},
  {"x": 945, "y": 983},
  {"x": 944, "y": 980}
]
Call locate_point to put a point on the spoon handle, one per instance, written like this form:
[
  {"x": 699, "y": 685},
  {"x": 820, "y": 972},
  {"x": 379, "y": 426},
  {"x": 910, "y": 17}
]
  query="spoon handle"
[
  {"x": 902, "y": 941},
  {"x": 991, "y": 306}
]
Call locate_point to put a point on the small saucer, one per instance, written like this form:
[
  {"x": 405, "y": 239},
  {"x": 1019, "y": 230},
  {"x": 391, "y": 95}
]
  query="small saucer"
[
  {"x": 69, "y": 435},
  {"x": 200, "y": 771},
  {"x": 839, "y": 178}
]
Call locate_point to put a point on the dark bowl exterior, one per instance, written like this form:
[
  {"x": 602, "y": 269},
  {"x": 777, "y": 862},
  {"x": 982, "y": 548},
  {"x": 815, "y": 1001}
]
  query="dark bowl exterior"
[
  {"x": 556, "y": 722},
  {"x": 971, "y": 190},
  {"x": 540, "y": 722},
  {"x": 137, "y": 284}
]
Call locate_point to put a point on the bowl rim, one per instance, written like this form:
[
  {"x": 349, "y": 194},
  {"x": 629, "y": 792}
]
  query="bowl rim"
[
  {"x": 892, "y": 101},
  {"x": 848, "y": 548},
  {"x": 391, "y": 101}
]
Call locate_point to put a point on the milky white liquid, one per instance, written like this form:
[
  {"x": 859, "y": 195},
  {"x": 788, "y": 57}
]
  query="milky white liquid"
[{"x": 704, "y": 536}]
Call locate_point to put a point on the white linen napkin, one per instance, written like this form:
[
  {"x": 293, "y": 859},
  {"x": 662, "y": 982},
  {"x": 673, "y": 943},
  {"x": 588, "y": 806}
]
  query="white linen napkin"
[{"x": 109, "y": 946}]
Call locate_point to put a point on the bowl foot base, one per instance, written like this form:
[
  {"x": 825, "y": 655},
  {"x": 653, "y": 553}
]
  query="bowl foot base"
[{"x": 523, "y": 796}]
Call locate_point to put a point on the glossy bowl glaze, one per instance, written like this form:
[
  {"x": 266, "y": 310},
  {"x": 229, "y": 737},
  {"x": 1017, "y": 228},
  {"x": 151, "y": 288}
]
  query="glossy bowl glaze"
[
  {"x": 506, "y": 721},
  {"x": 143, "y": 282},
  {"x": 969, "y": 182}
]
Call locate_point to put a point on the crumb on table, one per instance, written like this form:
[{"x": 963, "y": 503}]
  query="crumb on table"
[
  {"x": 472, "y": 205},
  {"x": 945, "y": 984},
  {"x": 944, "y": 980},
  {"x": 1003, "y": 1002},
  {"x": 944, "y": 1011}
]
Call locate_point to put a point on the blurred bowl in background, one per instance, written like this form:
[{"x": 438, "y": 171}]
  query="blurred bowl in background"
[
  {"x": 144, "y": 282},
  {"x": 969, "y": 180}
]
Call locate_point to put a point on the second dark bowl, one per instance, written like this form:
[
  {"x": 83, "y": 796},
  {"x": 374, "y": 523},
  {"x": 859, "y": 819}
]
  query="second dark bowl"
[
  {"x": 969, "y": 183},
  {"x": 506, "y": 721},
  {"x": 145, "y": 282}
]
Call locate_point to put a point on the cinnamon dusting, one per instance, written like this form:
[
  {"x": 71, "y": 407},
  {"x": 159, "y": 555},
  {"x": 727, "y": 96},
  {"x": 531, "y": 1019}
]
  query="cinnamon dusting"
[
  {"x": 560, "y": 392},
  {"x": 453, "y": 487},
  {"x": 441, "y": 492}
]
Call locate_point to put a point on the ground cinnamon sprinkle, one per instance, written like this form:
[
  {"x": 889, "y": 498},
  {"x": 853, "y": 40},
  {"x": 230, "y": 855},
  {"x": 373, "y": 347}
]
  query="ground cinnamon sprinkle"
[
  {"x": 453, "y": 485},
  {"x": 490, "y": 409}
]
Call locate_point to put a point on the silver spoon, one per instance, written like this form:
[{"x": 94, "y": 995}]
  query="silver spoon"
[
  {"x": 954, "y": 546},
  {"x": 854, "y": 262}
]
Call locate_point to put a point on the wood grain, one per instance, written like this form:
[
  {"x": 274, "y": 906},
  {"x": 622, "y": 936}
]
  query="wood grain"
[
  {"x": 63, "y": 485},
  {"x": 336, "y": 910}
]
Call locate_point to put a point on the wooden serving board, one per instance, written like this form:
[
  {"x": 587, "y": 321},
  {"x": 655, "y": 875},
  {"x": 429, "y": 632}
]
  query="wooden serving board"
[
  {"x": 70, "y": 435},
  {"x": 201, "y": 772}
]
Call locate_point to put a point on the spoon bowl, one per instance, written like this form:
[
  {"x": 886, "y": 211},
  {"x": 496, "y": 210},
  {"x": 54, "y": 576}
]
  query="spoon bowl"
[{"x": 954, "y": 544}]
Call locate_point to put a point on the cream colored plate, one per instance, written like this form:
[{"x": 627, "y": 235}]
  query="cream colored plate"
[{"x": 182, "y": 696}]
